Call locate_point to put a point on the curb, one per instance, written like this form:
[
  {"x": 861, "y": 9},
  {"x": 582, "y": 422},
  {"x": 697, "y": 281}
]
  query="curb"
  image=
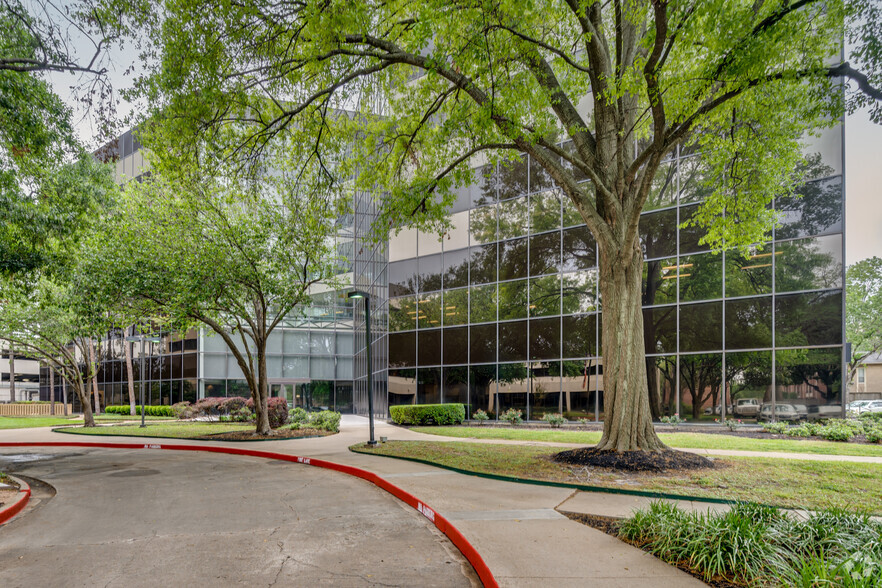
[
  {"x": 59, "y": 430},
  {"x": 24, "y": 496},
  {"x": 441, "y": 523}
]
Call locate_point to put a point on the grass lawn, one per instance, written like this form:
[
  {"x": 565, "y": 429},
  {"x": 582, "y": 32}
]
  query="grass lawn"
[
  {"x": 678, "y": 440},
  {"x": 176, "y": 430},
  {"x": 16, "y": 422},
  {"x": 778, "y": 482}
]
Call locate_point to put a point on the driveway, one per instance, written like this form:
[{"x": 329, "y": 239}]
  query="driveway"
[{"x": 138, "y": 518}]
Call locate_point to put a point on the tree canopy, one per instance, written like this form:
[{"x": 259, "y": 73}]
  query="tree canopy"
[{"x": 863, "y": 304}]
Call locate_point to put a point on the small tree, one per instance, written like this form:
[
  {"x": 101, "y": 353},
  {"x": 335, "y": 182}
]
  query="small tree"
[{"x": 863, "y": 316}]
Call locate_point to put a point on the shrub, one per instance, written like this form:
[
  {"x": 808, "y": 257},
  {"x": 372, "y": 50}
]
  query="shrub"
[
  {"x": 242, "y": 415},
  {"x": 156, "y": 410},
  {"x": 584, "y": 421},
  {"x": 731, "y": 424},
  {"x": 800, "y": 431},
  {"x": 208, "y": 406},
  {"x": 871, "y": 417},
  {"x": 298, "y": 415},
  {"x": 775, "y": 428},
  {"x": 184, "y": 410},
  {"x": 836, "y": 432},
  {"x": 325, "y": 420},
  {"x": 513, "y": 416},
  {"x": 276, "y": 408},
  {"x": 672, "y": 420},
  {"x": 480, "y": 416},
  {"x": 874, "y": 435},
  {"x": 231, "y": 405},
  {"x": 425, "y": 414},
  {"x": 554, "y": 419}
]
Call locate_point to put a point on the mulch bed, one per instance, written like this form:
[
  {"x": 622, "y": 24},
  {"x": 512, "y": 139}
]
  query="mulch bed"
[
  {"x": 634, "y": 461},
  {"x": 277, "y": 435},
  {"x": 610, "y": 526}
]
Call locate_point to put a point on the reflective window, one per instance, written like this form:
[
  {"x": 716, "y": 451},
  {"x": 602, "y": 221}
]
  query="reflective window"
[
  {"x": 402, "y": 387},
  {"x": 701, "y": 377},
  {"x": 514, "y": 218},
  {"x": 513, "y": 300},
  {"x": 456, "y": 306},
  {"x": 483, "y": 264},
  {"x": 539, "y": 178},
  {"x": 480, "y": 191},
  {"x": 482, "y": 389},
  {"x": 750, "y": 274},
  {"x": 817, "y": 211},
  {"x": 456, "y": 269},
  {"x": 321, "y": 343},
  {"x": 429, "y": 386},
  {"x": 456, "y": 384},
  {"x": 512, "y": 178},
  {"x": 701, "y": 277},
  {"x": 807, "y": 264},
  {"x": 545, "y": 396},
  {"x": 690, "y": 236},
  {"x": 701, "y": 326},
  {"x": 660, "y": 329},
  {"x": 658, "y": 234},
  {"x": 579, "y": 292},
  {"x": 513, "y": 259},
  {"x": 580, "y": 176},
  {"x": 749, "y": 323},
  {"x": 580, "y": 381},
  {"x": 661, "y": 380},
  {"x": 694, "y": 183},
  {"x": 571, "y": 216},
  {"x": 482, "y": 304},
  {"x": 663, "y": 192},
  {"x": 814, "y": 318},
  {"x": 579, "y": 249},
  {"x": 482, "y": 224},
  {"x": 545, "y": 338},
  {"x": 748, "y": 375},
  {"x": 482, "y": 343},
  {"x": 429, "y": 311},
  {"x": 402, "y": 314},
  {"x": 660, "y": 281},
  {"x": 545, "y": 254},
  {"x": 513, "y": 341},
  {"x": 544, "y": 296},
  {"x": 810, "y": 379},
  {"x": 430, "y": 273},
  {"x": 579, "y": 335},
  {"x": 429, "y": 347},
  {"x": 545, "y": 211},
  {"x": 513, "y": 386},
  {"x": 456, "y": 346}
]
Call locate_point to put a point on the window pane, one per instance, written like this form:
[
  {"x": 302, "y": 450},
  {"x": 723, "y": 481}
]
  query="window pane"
[
  {"x": 482, "y": 343},
  {"x": 580, "y": 335},
  {"x": 701, "y": 277},
  {"x": 807, "y": 264},
  {"x": 580, "y": 381},
  {"x": 660, "y": 329},
  {"x": 482, "y": 389},
  {"x": 483, "y": 264},
  {"x": 482, "y": 224},
  {"x": 545, "y": 338},
  {"x": 429, "y": 386},
  {"x": 483, "y": 304},
  {"x": 701, "y": 377},
  {"x": 579, "y": 249},
  {"x": 513, "y": 300},
  {"x": 429, "y": 311},
  {"x": 660, "y": 281},
  {"x": 571, "y": 216},
  {"x": 514, "y": 218},
  {"x": 579, "y": 292},
  {"x": 430, "y": 273},
  {"x": 545, "y": 296},
  {"x": 661, "y": 379},
  {"x": 748, "y": 275},
  {"x": 402, "y": 277},
  {"x": 539, "y": 178},
  {"x": 545, "y": 211},
  {"x": 456, "y": 345},
  {"x": 456, "y": 307},
  {"x": 749, "y": 323},
  {"x": 402, "y": 314},
  {"x": 693, "y": 182},
  {"x": 402, "y": 387},
  {"x": 811, "y": 378},
  {"x": 513, "y": 386},
  {"x": 749, "y": 375},
  {"x": 483, "y": 191},
  {"x": 545, "y": 254},
  {"x": 429, "y": 347},
  {"x": 456, "y": 384},
  {"x": 818, "y": 211},
  {"x": 545, "y": 396},
  {"x": 663, "y": 192},
  {"x": 456, "y": 269},
  {"x": 814, "y": 318},
  {"x": 513, "y": 341},
  {"x": 513, "y": 259},
  {"x": 690, "y": 236},
  {"x": 512, "y": 178},
  {"x": 701, "y": 326},
  {"x": 658, "y": 234}
]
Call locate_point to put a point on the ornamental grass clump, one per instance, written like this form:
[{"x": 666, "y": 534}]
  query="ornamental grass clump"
[{"x": 755, "y": 545}]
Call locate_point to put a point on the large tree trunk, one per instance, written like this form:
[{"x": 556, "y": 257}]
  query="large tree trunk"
[
  {"x": 82, "y": 390},
  {"x": 627, "y": 423},
  {"x": 11, "y": 374},
  {"x": 64, "y": 393},
  {"x": 262, "y": 416},
  {"x": 94, "y": 360},
  {"x": 51, "y": 391},
  {"x": 130, "y": 375}
]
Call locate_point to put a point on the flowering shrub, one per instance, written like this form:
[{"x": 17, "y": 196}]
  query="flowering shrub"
[
  {"x": 184, "y": 410},
  {"x": 554, "y": 419},
  {"x": 277, "y": 411},
  {"x": 672, "y": 420},
  {"x": 584, "y": 421},
  {"x": 480, "y": 416},
  {"x": 731, "y": 424},
  {"x": 513, "y": 416}
]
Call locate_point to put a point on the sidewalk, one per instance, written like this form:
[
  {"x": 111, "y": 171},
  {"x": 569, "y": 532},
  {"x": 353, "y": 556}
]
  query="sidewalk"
[{"x": 514, "y": 527}]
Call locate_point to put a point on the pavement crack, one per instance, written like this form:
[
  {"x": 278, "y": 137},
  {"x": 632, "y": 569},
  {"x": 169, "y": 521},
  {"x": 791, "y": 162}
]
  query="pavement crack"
[
  {"x": 570, "y": 497},
  {"x": 279, "y": 572}
]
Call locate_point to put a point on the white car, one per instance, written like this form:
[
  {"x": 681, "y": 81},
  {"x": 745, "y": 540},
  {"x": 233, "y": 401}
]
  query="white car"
[
  {"x": 872, "y": 406},
  {"x": 783, "y": 412},
  {"x": 856, "y": 405}
]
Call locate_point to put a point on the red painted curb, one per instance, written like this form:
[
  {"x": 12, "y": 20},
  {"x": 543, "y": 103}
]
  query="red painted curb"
[
  {"x": 24, "y": 496},
  {"x": 443, "y": 525}
]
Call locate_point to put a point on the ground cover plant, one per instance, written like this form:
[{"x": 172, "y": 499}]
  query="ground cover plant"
[
  {"x": 676, "y": 440},
  {"x": 324, "y": 420},
  {"x": 779, "y": 482},
  {"x": 754, "y": 545}
]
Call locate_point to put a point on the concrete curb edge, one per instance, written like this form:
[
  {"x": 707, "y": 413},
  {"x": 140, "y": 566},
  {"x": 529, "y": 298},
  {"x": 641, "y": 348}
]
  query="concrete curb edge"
[{"x": 24, "y": 496}]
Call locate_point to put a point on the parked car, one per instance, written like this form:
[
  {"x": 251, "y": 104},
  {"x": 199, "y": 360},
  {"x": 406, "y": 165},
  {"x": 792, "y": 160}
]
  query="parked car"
[
  {"x": 824, "y": 411},
  {"x": 783, "y": 412},
  {"x": 746, "y": 407},
  {"x": 872, "y": 406},
  {"x": 855, "y": 405}
]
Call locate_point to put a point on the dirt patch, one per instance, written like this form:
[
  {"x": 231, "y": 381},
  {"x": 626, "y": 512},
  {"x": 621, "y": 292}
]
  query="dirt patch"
[
  {"x": 634, "y": 461},
  {"x": 278, "y": 434}
]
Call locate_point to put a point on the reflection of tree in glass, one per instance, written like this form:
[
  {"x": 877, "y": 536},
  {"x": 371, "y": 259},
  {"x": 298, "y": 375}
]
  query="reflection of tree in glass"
[
  {"x": 514, "y": 218},
  {"x": 663, "y": 191},
  {"x": 813, "y": 318},
  {"x": 545, "y": 296},
  {"x": 749, "y": 375},
  {"x": 579, "y": 292},
  {"x": 482, "y": 223},
  {"x": 661, "y": 374},
  {"x": 512, "y": 178},
  {"x": 808, "y": 264},
  {"x": 700, "y": 376},
  {"x": 816, "y": 370},
  {"x": 817, "y": 206},
  {"x": 749, "y": 273}
]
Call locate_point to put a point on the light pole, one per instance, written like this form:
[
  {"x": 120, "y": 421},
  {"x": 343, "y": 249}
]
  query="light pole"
[
  {"x": 141, "y": 337},
  {"x": 355, "y": 294}
]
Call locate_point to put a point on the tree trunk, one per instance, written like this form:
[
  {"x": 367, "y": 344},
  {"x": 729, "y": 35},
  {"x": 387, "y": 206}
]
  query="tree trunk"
[
  {"x": 130, "y": 375},
  {"x": 94, "y": 361},
  {"x": 64, "y": 393},
  {"x": 262, "y": 416},
  {"x": 51, "y": 391},
  {"x": 11, "y": 374},
  {"x": 627, "y": 424},
  {"x": 82, "y": 390}
]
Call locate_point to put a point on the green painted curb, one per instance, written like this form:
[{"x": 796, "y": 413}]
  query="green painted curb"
[
  {"x": 59, "y": 430},
  {"x": 583, "y": 487}
]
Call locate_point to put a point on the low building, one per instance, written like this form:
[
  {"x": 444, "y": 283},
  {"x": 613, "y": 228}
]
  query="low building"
[{"x": 867, "y": 383}]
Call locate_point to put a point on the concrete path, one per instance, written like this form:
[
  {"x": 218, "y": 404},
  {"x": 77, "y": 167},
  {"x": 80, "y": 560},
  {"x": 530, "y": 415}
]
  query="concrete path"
[
  {"x": 139, "y": 518},
  {"x": 514, "y": 527}
]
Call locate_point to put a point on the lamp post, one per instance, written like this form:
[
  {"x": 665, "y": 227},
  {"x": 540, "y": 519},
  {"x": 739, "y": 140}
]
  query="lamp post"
[
  {"x": 141, "y": 337},
  {"x": 355, "y": 294}
]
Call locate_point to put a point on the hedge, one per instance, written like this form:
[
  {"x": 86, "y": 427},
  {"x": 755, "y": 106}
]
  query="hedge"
[
  {"x": 159, "y": 410},
  {"x": 424, "y": 414}
]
